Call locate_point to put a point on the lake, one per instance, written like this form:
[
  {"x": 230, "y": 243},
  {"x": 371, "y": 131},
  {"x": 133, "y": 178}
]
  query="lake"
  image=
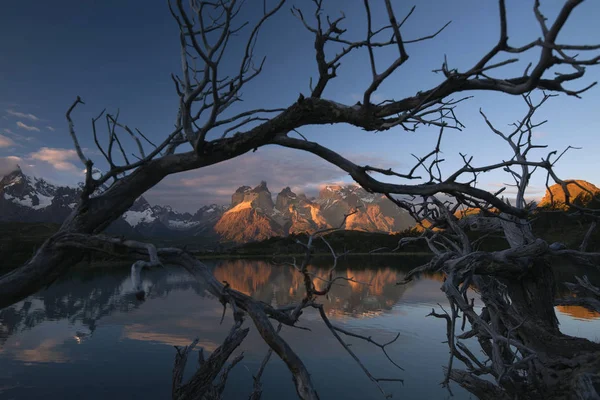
[{"x": 88, "y": 336}]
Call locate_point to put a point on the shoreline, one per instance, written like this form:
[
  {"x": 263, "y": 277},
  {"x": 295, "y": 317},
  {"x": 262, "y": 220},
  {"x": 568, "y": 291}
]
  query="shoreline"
[
  {"x": 243, "y": 256},
  {"x": 127, "y": 263}
]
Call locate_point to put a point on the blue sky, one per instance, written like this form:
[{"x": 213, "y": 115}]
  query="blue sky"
[{"x": 119, "y": 55}]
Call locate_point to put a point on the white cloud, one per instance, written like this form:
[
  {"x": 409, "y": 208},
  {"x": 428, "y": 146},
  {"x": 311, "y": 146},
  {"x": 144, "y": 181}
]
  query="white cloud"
[
  {"x": 27, "y": 127},
  {"x": 279, "y": 167},
  {"x": 8, "y": 164},
  {"x": 215, "y": 184},
  {"x": 6, "y": 141},
  {"x": 58, "y": 158},
  {"x": 18, "y": 137},
  {"x": 50, "y": 128},
  {"x": 22, "y": 115}
]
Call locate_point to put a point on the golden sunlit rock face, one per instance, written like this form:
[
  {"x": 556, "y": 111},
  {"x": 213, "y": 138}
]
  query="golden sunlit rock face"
[
  {"x": 578, "y": 312},
  {"x": 305, "y": 217},
  {"x": 255, "y": 217},
  {"x": 580, "y": 193},
  {"x": 247, "y": 224},
  {"x": 371, "y": 220}
]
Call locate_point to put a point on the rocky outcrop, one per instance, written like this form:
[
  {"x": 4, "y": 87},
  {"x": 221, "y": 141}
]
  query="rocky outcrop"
[
  {"x": 239, "y": 195},
  {"x": 27, "y": 199},
  {"x": 372, "y": 212},
  {"x": 244, "y": 223},
  {"x": 581, "y": 193},
  {"x": 285, "y": 198},
  {"x": 259, "y": 197},
  {"x": 252, "y": 215},
  {"x": 294, "y": 213}
]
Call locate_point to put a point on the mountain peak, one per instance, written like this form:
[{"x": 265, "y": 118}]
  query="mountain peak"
[
  {"x": 580, "y": 192},
  {"x": 243, "y": 189},
  {"x": 29, "y": 199},
  {"x": 252, "y": 214},
  {"x": 284, "y": 199},
  {"x": 286, "y": 191},
  {"x": 12, "y": 177},
  {"x": 262, "y": 187},
  {"x": 140, "y": 204}
]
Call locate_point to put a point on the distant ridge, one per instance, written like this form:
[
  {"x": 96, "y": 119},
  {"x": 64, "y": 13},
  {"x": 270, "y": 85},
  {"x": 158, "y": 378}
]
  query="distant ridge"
[
  {"x": 580, "y": 193},
  {"x": 251, "y": 216}
]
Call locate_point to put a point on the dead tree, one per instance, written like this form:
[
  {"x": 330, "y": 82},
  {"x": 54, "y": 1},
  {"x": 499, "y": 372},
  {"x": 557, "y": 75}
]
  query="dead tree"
[
  {"x": 212, "y": 126},
  {"x": 525, "y": 353}
]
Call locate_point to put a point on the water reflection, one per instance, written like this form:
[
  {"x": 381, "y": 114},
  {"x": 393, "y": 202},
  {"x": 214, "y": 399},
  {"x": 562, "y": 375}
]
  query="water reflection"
[
  {"x": 578, "y": 312},
  {"x": 370, "y": 292},
  {"x": 88, "y": 336}
]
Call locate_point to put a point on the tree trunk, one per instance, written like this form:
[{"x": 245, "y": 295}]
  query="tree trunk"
[{"x": 563, "y": 367}]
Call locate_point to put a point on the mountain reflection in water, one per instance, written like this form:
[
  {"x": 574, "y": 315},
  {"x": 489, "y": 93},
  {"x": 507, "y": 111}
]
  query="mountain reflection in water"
[
  {"x": 371, "y": 290},
  {"x": 89, "y": 337}
]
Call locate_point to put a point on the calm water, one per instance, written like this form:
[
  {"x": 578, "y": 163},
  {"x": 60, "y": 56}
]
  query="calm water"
[{"x": 88, "y": 337}]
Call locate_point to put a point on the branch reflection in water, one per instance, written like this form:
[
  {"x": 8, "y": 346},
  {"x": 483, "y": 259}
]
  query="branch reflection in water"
[{"x": 89, "y": 336}]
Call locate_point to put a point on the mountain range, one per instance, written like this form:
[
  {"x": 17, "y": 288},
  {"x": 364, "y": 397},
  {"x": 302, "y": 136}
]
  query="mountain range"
[{"x": 251, "y": 216}]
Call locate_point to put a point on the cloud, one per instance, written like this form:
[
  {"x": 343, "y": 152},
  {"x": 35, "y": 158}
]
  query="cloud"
[
  {"x": 539, "y": 135},
  {"x": 58, "y": 158},
  {"x": 6, "y": 141},
  {"x": 8, "y": 164},
  {"x": 27, "y": 127},
  {"x": 215, "y": 184},
  {"x": 18, "y": 137},
  {"x": 50, "y": 128},
  {"x": 22, "y": 115},
  {"x": 279, "y": 167}
]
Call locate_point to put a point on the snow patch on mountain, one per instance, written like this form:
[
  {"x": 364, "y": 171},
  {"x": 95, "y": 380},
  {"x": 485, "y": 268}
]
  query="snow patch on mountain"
[
  {"x": 29, "y": 199},
  {"x": 179, "y": 224},
  {"x": 134, "y": 218}
]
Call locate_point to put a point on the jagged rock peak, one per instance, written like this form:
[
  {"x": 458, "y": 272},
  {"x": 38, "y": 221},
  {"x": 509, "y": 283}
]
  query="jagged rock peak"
[
  {"x": 243, "y": 189},
  {"x": 140, "y": 204},
  {"x": 12, "y": 177},
  {"x": 260, "y": 196},
  {"x": 580, "y": 192},
  {"x": 239, "y": 195},
  {"x": 284, "y": 198},
  {"x": 286, "y": 191},
  {"x": 262, "y": 187}
]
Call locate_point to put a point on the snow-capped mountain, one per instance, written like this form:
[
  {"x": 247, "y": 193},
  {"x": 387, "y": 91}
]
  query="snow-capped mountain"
[
  {"x": 252, "y": 215},
  {"x": 375, "y": 213},
  {"x": 158, "y": 220},
  {"x": 28, "y": 199}
]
